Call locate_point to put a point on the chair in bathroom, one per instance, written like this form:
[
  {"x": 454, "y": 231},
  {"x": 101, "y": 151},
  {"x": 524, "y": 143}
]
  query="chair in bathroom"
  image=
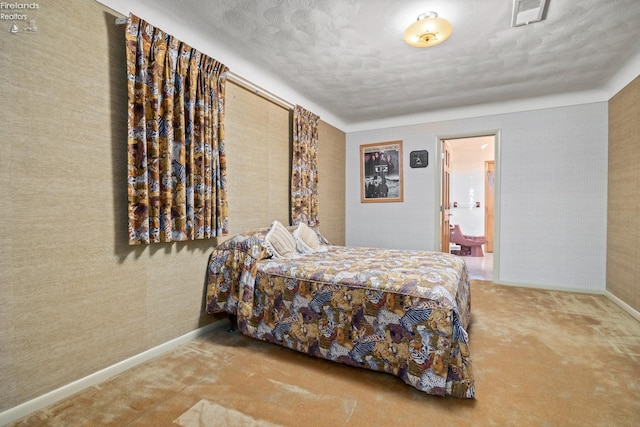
[{"x": 469, "y": 245}]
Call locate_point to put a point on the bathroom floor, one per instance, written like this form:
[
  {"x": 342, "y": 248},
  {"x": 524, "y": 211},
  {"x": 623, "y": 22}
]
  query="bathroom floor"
[{"x": 480, "y": 268}]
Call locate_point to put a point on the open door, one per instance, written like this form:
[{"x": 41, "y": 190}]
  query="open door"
[
  {"x": 489, "y": 196},
  {"x": 445, "y": 204}
]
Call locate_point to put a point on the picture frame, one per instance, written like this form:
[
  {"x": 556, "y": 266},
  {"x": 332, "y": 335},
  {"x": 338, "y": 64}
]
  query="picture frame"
[
  {"x": 381, "y": 175},
  {"x": 419, "y": 159}
]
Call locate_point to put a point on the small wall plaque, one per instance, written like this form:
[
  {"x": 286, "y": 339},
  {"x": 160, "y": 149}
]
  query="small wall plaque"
[{"x": 419, "y": 159}]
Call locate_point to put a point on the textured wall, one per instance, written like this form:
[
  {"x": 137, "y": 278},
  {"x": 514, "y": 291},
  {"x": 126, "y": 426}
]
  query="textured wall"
[
  {"x": 623, "y": 230},
  {"x": 75, "y": 297},
  {"x": 258, "y": 148},
  {"x": 553, "y": 169},
  {"x": 258, "y": 134},
  {"x": 331, "y": 175}
]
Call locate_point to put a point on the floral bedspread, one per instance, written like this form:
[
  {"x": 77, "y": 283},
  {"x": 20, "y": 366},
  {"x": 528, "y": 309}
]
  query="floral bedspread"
[
  {"x": 400, "y": 312},
  {"x": 231, "y": 264}
]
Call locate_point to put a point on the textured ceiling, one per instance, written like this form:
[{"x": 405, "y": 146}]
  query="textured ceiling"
[{"x": 348, "y": 56}]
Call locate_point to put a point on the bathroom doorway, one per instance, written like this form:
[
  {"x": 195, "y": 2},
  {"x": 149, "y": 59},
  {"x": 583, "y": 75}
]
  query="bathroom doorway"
[{"x": 468, "y": 200}]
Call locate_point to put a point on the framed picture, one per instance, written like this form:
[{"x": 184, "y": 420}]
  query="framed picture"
[
  {"x": 381, "y": 172},
  {"x": 419, "y": 159}
]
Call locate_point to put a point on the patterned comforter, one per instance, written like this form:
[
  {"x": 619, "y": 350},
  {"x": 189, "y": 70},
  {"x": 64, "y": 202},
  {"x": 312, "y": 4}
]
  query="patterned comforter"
[{"x": 401, "y": 312}]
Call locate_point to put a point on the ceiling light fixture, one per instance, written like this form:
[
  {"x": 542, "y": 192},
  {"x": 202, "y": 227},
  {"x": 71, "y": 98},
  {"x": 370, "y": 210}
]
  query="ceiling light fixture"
[{"x": 428, "y": 30}]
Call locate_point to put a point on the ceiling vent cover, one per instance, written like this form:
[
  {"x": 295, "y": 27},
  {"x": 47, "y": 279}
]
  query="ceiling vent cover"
[{"x": 527, "y": 12}]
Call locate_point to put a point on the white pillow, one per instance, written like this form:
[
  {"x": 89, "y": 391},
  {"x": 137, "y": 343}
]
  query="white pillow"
[
  {"x": 279, "y": 242},
  {"x": 307, "y": 240}
]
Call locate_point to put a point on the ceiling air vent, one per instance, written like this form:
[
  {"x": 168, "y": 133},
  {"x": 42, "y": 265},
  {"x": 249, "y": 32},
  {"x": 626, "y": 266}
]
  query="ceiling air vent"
[{"x": 527, "y": 12}]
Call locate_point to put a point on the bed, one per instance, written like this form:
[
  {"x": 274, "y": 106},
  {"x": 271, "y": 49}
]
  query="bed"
[{"x": 402, "y": 312}]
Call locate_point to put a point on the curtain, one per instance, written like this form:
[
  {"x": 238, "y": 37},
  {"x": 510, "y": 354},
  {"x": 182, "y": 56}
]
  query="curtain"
[
  {"x": 304, "y": 168},
  {"x": 176, "y": 155}
]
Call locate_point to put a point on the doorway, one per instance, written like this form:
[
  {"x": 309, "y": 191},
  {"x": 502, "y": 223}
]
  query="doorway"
[{"x": 469, "y": 198}]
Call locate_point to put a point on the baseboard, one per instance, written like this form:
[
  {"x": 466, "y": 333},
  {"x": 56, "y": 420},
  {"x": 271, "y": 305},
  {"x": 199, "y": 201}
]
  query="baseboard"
[
  {"x": 550, "y": 287},
  {"x": 623, "y": 305},
  {"x": 24, "y": 409}
]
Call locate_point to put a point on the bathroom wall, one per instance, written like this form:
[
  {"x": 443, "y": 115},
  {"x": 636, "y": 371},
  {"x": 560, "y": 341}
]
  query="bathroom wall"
[
  {"x": 468, "y": 157},
  {"x": 466, "y": 189}
]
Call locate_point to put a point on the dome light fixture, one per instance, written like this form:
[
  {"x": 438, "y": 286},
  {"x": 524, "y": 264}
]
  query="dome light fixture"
[{"x": 428, "y": 30}]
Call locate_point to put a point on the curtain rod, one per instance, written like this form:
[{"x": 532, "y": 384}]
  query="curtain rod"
[
  {"x": 242, "y": 82},
  {"x": 252, "y": 87}
]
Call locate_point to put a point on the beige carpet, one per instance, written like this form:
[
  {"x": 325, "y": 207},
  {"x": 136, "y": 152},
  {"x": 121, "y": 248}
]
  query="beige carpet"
[{"x": 541, "y": 358}]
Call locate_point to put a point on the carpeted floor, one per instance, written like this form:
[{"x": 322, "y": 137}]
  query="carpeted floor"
[{"x": 541, "y": 358}]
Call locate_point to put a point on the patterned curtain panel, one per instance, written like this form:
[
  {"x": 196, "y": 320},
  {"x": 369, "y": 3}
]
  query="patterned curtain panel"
[
  {"x": 176, "y": 161},
  {"x": 304, "y": 168}
]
